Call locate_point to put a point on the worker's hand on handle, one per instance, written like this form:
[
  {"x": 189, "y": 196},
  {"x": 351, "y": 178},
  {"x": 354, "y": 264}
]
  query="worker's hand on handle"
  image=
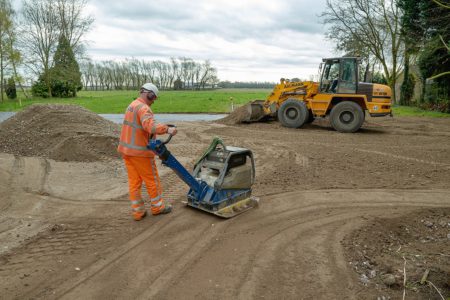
[{"x": 172, "y": 130}]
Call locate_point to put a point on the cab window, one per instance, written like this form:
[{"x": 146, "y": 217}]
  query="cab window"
[
  {"x": 347, "y": 84},
  {"x": 330, "y": 77}
]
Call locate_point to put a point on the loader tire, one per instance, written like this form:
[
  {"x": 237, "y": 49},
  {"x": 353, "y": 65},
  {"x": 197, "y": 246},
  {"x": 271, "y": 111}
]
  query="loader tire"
[
  {"x": 347, "y": 117},
  {"x": 293, "y": 113},
  {"x": 310, "y": 118}
]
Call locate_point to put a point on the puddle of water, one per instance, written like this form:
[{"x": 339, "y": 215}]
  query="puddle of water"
[
  {"x": 161, "y": 118},
  {"x": 167, "y": 118},
  {"x": 5, "y": 115}
]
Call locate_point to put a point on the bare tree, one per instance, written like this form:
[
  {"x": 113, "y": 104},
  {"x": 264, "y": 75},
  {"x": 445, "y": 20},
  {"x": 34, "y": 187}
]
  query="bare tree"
[
  {"x": 135, "y": 71},
  {"x": 40, "y": 38},
  {"x": 372, "y": 25},
  {"x": 196, "y": 78},
  {"x": 175, "y": 70},
  {"x": 149, "y": 71},
  {"x": 10, "y": 56},
  {"x": 103, "y": 76},
  {"x": 207, "y": 74},
  {"x": 15, "y": 57},
  {"x": 87, "y": 69},
  {"x": 73, "y": 24},
  {"x": 187, "y": 71}
]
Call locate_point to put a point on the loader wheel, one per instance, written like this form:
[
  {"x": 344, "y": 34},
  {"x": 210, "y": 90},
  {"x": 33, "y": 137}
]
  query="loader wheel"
[
  {"x": 293, "y": 113},
  {"x": 310, "y": 118},
  {"x": 347, "y": 116}
]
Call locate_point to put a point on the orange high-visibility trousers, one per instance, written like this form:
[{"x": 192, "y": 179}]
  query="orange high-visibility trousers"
[{"x": 143, "y": 169}]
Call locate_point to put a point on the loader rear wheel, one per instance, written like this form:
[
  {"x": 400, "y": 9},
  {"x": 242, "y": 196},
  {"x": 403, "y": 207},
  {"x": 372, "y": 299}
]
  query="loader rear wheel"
[
  {"x": 293, "y": 113},
  {"x": 347, "y": 116}
]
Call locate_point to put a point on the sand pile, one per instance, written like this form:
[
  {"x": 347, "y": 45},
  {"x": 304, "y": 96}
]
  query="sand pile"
[
  {"x": 236, "y": 117},
  {"x": 59, "y": 132}
]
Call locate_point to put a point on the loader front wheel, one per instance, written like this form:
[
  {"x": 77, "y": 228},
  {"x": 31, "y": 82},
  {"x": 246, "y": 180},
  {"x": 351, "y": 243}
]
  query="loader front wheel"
[
  {"x": 293, "y": 113},
  {"x": 347, "y": 116},
  {"x": 311, "y": 117}
]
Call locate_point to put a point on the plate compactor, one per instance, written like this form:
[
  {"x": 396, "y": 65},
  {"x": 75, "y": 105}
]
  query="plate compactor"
[{"x": 222, "y": 180}]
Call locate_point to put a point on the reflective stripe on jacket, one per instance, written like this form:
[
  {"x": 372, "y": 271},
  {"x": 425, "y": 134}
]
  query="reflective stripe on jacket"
[{"x": 137, "y": 127}]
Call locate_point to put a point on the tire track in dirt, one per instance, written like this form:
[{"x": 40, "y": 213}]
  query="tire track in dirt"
[
  {"x": 422, "y": 161},
  {"x": 56, "y": 247},
  {"x": 287, "y": 251},
  {"x": 58, "y": 252},
  {"x": 53, "y": 252},
  {"x": 304, "y": 229},
  {"x": 200, "y": 237},
  {"x": 338, "y": 146},
  {"x": 274, "y": 246}
]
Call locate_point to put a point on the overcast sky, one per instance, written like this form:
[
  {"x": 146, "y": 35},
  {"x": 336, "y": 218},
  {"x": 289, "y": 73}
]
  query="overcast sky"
[{"x": 246, "y": 40}]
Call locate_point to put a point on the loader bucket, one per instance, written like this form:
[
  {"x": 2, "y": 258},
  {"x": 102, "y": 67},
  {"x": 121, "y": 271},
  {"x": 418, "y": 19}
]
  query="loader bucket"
[{"x": 255, "y": 111}]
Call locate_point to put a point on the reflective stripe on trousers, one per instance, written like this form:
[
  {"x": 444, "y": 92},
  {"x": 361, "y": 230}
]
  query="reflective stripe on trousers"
[
  {"x": 137, "y": 206},
  {"x": 144, "y": 169}
]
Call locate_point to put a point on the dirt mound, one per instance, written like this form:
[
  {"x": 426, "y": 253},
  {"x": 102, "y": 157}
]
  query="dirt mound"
[
  {"x": 59, "y": 132},
  {"x": 379, "y": 251},
  {"x": 236, "y": 117}
]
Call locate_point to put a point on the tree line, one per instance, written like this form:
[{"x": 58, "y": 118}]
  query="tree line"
[
  {"x": 130, "y": 74},
  {"x": 247, "y": 84},
  {"x": 408, "y": 41}
]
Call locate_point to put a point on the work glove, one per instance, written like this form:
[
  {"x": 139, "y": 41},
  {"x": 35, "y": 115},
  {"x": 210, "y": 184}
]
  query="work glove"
[{"x": 172, "y": 130}]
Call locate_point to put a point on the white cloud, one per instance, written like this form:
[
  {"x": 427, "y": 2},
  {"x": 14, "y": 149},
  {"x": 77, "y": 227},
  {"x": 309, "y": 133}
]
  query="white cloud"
[{"x": 246, "y": 40}]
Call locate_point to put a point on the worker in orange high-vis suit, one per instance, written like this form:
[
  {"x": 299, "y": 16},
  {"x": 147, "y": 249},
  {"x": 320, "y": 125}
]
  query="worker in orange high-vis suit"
[{"x": 138, "y": 127}]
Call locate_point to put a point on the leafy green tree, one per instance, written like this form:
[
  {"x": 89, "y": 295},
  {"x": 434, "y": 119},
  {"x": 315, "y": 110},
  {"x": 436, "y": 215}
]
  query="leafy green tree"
[
  {"x": 11, "y": 91},
  {"x": 434, "y": 57},
  {"x": 379, "y": 77},
  {"x": 178, "y": 84},
  {"x": 412, "y": 34},
  {"x": 6, "y": 13},
  {"x": 65, "y": 74},
  {"x": 10, "y": 55},
  {"x": 40, "y": 87}
]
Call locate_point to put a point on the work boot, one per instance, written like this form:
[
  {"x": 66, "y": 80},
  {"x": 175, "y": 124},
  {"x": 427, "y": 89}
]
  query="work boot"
[
  {"x": 139, "y": 216},
  {"x": 167, "y": 209}
]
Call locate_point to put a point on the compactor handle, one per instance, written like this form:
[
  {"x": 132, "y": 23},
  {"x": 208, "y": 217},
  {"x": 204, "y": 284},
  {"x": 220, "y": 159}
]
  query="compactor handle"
[{"x": 170, "y": 136}]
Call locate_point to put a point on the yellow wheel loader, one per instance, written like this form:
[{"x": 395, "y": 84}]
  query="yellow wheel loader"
[{"x": 339, "y": 95}]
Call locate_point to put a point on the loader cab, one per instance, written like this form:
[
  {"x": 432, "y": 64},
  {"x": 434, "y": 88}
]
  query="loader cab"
[{"x": 339, "y": 75}]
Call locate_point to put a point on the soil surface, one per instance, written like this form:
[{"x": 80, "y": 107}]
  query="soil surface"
[{"x": 341, "y": 216}]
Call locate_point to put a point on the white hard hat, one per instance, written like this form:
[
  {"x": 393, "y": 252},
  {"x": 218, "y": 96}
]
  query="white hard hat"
[{"x": 150, "y": 87}]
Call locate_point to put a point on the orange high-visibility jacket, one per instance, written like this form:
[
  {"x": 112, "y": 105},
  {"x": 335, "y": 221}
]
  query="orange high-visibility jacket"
[{"x": 137, "y": 127}]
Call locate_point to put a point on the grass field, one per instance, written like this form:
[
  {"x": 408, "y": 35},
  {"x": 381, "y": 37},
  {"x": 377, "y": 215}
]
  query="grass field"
[
  {"x": 217, "y": 101},
  {"x": 408, "y": 111}
]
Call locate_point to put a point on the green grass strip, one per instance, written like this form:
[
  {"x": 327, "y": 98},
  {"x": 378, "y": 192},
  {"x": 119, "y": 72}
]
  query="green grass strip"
[{"x": 215, "y": 101}]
